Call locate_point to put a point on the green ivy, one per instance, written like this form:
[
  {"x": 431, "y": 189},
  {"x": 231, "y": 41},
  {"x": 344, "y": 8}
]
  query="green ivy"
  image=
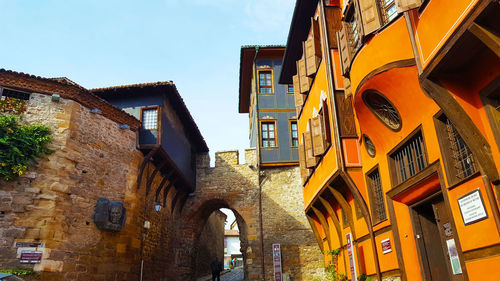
[
  {"x": 20, "y": 146},
  {"x": 18, "y": 272}
]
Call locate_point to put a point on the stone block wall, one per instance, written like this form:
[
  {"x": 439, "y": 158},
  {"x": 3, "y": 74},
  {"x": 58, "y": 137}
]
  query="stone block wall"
[
  {"x": 211, "y": 244},
  {"x": 54, "y": 202}
]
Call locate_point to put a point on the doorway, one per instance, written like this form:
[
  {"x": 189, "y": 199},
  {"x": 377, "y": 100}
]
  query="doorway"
[{"x": 436, "y": 240}]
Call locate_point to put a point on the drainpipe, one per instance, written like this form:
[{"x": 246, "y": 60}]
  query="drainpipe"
[
  {"x": 261, "y": 224},
  {"x": 337, "y": 130}
]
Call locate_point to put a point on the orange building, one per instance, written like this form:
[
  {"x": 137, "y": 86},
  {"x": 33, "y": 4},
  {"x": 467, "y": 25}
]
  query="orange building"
[{"x": 399, "y": 134}]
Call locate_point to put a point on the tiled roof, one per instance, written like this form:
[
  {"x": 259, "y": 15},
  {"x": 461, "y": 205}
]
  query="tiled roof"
[
  {"x": 68, "y": 90},
  {"x": 175, "y": 99}
]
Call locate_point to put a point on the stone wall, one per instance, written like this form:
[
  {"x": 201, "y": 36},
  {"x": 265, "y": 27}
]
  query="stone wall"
[
  {"x": 54, "y": 202},
  {"x": 211, "y": 244},
  {"x": 240, "y": 187},
  {"x": 285, "y": 224}
]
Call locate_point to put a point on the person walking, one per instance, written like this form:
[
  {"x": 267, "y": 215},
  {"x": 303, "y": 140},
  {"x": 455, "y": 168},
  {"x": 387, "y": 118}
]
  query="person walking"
[{"x": 216, "y": 267}]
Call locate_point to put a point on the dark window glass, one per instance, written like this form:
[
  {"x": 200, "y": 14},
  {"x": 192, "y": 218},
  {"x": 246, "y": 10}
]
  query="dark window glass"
[
  {"x": 369, "y": 146},
  {"x": 463, "y": 161},
  {"x": 377, "y": 197},
  {"x": 409, "y": 159},
  {"x": 294, "y": 133}
]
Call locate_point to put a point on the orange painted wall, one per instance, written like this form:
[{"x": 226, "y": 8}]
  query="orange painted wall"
[
  {"x": 479, "y": 234},
  {"x": 327, "y": 167},
  {"x": 436, "y": 23},
  {"x": 484, "y": 270},
  {"x": 381, "y": 50}
]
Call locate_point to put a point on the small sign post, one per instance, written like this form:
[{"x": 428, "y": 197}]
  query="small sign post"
[
  {"x": 472, "y": 207},
  {"x": 277, "y": 262},
  {"x": 350, "y": 252}
]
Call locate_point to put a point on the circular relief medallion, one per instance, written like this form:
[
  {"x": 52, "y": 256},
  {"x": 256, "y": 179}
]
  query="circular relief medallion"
[
  {"x": 383, "y": 109},
  {"x": 369, "y": 146}
]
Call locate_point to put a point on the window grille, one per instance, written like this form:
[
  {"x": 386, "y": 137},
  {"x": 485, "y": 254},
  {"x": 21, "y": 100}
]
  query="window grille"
[
  {"x": 369, "y": 146},
  {"x": 463, "y": 161},
  {"x": 383, "y": 109},
  {"x": 377, "y": 197},
  {"x": 265, "y": 82},
  {"x": 409, "y": 159},
  {"x": 268, "y": 134},
  {"x": 150, "y": 119}
]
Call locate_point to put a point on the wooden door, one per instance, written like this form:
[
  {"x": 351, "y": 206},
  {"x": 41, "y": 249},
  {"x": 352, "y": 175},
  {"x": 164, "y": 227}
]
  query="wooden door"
[
  {"x": 448, "y": 240},
  {"x": 430, "y": 249}
]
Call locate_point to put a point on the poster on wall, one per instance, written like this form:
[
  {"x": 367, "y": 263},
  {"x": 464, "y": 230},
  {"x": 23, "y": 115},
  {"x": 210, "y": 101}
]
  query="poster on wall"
[
  {"x": 472, "y": 207},
  {"x": 386, "y": 246},
  {"x": 350, "y": 252},
  {"x": 453, "y": 254},
  {"x": 277, "y": 262}
]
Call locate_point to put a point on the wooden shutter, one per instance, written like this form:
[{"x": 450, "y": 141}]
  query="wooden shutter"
[
  {"x": 313, "y": 55},
  {"x": 333, "y": 24},
  {"x": 405, "y": 5},
  {"x": 299, "y": 98},
  {"x": 310, "y": 159},
  {"x": 370, "y": 15},
  {"x": 305, "y": 82},
  {"x": 304, "y": 172},
  {"x": 344, "y": 50},
  {"x": 358, "y": 20},
  {"x": 346, "y": 115},
  {"x": 317, "y": 129}
]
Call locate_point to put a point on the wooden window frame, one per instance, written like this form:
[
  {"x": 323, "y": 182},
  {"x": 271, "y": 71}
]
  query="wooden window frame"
[
  {"x": 446, "y": 150},
  {"x": 291, "y": 133},
  {"x": 272, "y": 81},
  {"x": 392, "y": 162},
  {"x": 157, "y": 117},
  {"x": 383, "y": 8},
  {"x": 275, "y": 134},
  {"x": 371, "y": 195},
  {"x": 288, "y": 86}
]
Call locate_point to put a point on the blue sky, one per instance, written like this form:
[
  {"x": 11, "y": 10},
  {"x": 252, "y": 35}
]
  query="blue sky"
[{"x": 195, "y": 43}]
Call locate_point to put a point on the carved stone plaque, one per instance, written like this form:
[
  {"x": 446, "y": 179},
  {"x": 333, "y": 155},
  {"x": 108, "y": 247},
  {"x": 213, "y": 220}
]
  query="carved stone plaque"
[{"x": 109, "y": 216}]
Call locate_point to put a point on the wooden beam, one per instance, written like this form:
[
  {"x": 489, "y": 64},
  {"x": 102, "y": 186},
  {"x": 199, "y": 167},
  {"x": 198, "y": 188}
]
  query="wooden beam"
[
  {"x": 316, "y": 233},
  {"x": 334, "y": 217},
  {"x": 165, "y": 193},
  {"x": 143, "y": 165},
  {"x": 152, "y": 177},
  {"x": 490, "y": 39},
  {"x": 158, "y": 190},
  {"x": 174, "y": 202},
  {"x": 465, "y": 127},
  {"x": 345, "y": 208},
  {"x": 324, "y": 224},
  {"x": 366, "y": 214}
]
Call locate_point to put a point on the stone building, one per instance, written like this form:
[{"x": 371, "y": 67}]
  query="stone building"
[{"x": 50, "y": 209}]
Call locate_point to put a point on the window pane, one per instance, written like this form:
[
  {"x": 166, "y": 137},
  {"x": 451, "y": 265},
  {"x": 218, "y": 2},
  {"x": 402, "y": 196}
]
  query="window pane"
[
  {"x": 271, "y": 144},
  {"x": 265, "y": 144},
  {"x": 150, "y": 119}
]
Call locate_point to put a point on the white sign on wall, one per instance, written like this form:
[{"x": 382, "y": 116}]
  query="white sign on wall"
[
  {"x": 350, "y": 252},
  {"x": 472, "y": 207}
]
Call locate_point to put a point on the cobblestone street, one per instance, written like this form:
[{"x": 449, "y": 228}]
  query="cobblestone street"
[{"x": 235, "y": 275}]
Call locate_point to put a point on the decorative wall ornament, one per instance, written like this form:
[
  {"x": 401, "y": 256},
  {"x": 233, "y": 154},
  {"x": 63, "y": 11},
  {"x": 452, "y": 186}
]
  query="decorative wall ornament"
[
  {"x": 369, "y": 146},
  {"x": 109, "y": 216},
  {"x": 383, "y": 109}
]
